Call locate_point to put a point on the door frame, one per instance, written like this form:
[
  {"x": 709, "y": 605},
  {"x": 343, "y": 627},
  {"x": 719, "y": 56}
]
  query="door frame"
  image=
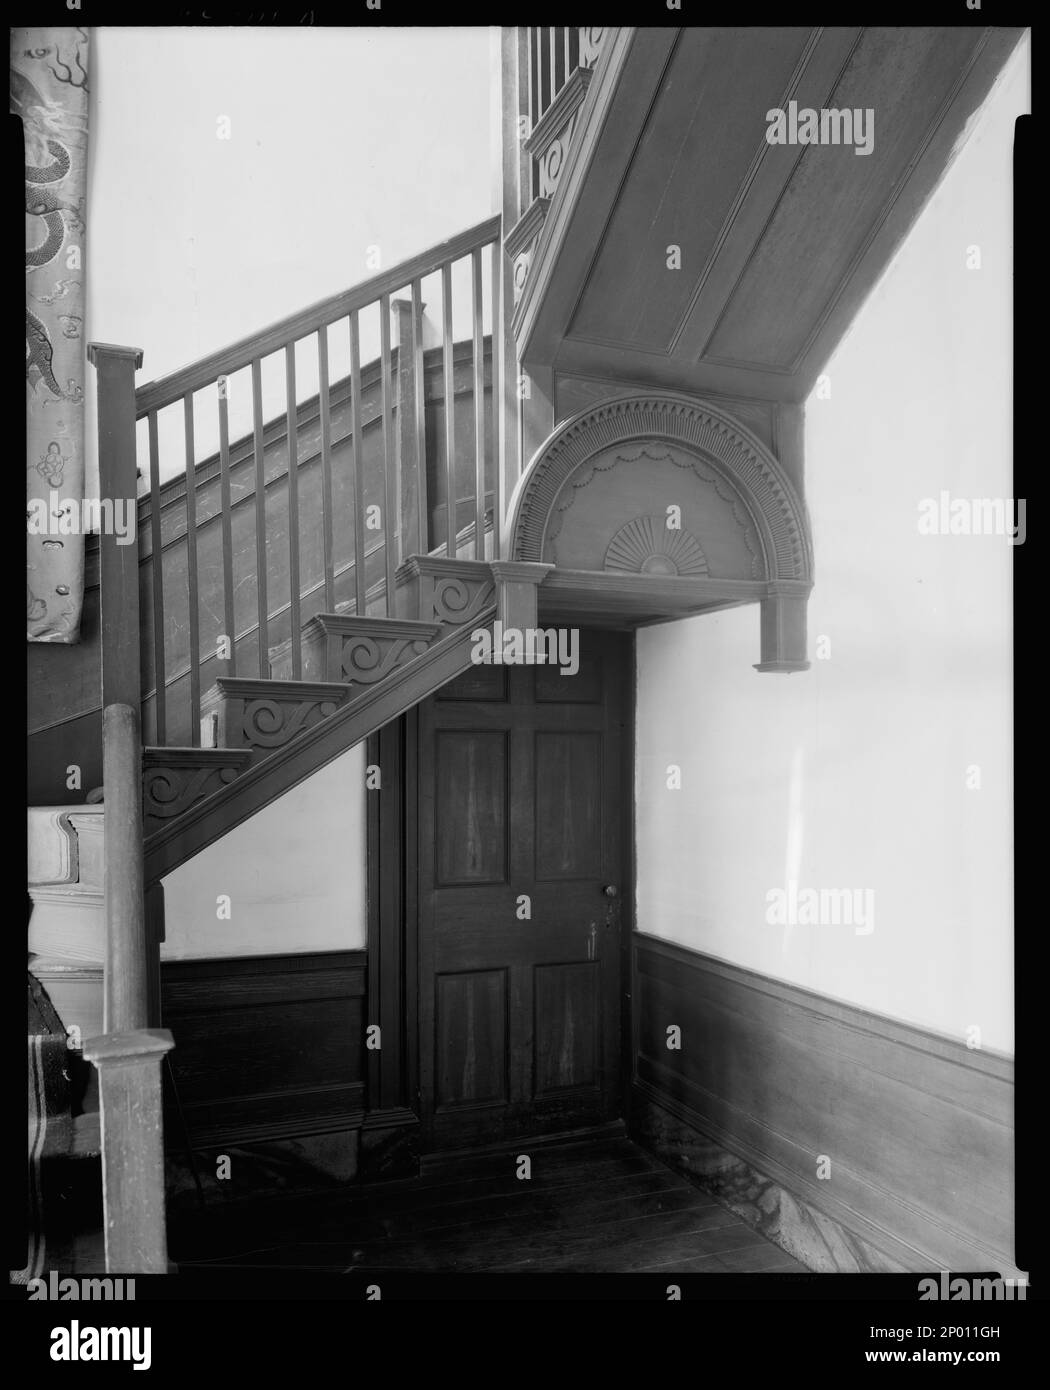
[{"x": 390, "y": 1140}]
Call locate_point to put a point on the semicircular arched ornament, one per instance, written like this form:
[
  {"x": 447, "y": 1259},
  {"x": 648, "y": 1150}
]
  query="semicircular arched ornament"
[
  {"x": 647, "y": 546},
  {"x": 697, "y": 426},
  {"x": 707, "y": 433}
]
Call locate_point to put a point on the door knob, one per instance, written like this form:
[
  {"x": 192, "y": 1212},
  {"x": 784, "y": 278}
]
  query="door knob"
[{"x": 611, "y": 891}]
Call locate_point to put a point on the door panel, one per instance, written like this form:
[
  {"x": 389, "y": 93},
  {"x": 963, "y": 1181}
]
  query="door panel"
[
  {"x": 470, "y": 1038},
  {"x": 520, "y": 830},
  {"x": 471, "y": 807},
  {"x": 568, "y": 805},
  {"x": 568, "y": 1009}
]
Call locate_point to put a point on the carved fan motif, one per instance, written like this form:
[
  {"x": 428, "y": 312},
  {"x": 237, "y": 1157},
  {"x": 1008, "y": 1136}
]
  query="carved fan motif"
[{"x": 646, "y": 546}]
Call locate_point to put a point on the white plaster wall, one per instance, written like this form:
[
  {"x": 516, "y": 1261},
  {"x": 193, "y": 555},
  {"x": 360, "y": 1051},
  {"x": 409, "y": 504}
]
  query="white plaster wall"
[
  {"x": 295, "y": 875},
  {"x": 853, "y": 774},
  {"x": 341, "y": 140}
]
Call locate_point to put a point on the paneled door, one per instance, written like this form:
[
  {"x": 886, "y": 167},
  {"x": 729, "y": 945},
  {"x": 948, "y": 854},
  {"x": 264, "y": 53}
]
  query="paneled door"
[{"x": 521, "y": 817}]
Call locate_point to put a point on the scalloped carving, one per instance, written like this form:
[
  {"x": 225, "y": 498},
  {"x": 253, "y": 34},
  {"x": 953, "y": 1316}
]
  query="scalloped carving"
[
  {"x": 582, "y": 477},
  {"x": 702, "y": 429},
  {"x": 646, "y": 546}
]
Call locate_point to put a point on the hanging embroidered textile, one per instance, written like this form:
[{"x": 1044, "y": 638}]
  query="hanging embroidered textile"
[{"x": 49, "y": 91}]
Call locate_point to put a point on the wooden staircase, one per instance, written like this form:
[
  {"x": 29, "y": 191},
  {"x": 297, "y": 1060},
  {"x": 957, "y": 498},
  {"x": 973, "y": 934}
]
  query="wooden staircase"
[
  {"x": 260, "y": 736},
  {"x": 324, "y": 584},
  {"x": 373, "y": 535}
]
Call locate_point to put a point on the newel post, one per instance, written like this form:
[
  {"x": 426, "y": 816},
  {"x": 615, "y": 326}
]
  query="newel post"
[
  {"x": 130, "y": 1096},
  {"x": 517, "y": 592},
  {"x": 128, "y": 1055},
  {"x": 126, "y": 973}
]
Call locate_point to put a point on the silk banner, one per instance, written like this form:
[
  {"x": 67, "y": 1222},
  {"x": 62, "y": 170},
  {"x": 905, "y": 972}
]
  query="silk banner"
[{"x": 49, "y": 91}]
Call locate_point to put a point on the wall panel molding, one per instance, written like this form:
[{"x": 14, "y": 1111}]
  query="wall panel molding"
[
  {"x": 918, "y": 1129},
  {"x": 266, "y": 1047}
]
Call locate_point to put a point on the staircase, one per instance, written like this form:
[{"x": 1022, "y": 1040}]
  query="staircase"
[
  {"x": 262, "y": 735},
  {"x": 314, "y": 564},
  {"x": 297, "y": 586},
  {"x": 308, "y": 582}
]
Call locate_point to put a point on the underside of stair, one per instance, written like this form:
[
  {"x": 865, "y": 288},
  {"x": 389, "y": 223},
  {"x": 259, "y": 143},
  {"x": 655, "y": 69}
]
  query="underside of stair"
[{"x": 371, "y": 667}]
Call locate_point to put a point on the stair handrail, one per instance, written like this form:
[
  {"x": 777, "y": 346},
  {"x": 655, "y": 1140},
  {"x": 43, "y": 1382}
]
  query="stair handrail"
[
  {"x": 155, "y": 395},
  {"x": 393, "y": 497}
]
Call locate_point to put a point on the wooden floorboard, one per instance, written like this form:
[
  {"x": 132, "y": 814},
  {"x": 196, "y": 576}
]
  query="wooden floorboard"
[{"x": 601, "y": 1205}]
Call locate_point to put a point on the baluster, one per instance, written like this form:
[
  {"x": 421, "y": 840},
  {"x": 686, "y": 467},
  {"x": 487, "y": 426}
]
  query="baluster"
[
  {"x": 498, "y": 403},
  {"x": 552, "y": 35},
  {"x": 157, "y": 570},
  {"x": 545, "y": 73},
  {"x": 479, "y": 408},
  {"x": 421, "y": 417},
  {"x": 392, "y": 488},
  {"x": 260, "y": 519},
  {"x": 528, "y": 193},
  {"x": 294, "y": 581},
  {"x": 567, "y": 71},
  {"x": 326, "y": 469},
  {"x": 229, "y": 617},
  {"x": 357, "y": 463},
  {"x": 448, "y": 387},
  {"x": 191, "y": 573}
]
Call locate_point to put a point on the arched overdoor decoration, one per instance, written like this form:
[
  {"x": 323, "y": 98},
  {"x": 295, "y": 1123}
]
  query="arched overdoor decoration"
[{"x": 662, "y": 488}]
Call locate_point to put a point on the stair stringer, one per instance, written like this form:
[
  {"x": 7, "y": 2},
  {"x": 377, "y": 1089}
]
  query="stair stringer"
[{"x": 211, "y": 817}]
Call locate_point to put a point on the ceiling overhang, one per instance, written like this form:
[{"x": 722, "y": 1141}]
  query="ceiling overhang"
[{"x": 779, "y": 243}]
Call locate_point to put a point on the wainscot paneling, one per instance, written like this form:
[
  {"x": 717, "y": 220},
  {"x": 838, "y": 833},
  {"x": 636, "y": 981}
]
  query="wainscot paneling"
[
  {"x": 266, "y": 1047},
  {"x": 916, "y": 1129}
]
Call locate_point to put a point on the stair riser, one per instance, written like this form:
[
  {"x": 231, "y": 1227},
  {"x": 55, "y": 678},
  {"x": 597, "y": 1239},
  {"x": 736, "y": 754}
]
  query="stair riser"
[
  {"x": 450, "y": 592},
  {"x": 174, "y": 779},
  {"x": 265, "y": 715}
]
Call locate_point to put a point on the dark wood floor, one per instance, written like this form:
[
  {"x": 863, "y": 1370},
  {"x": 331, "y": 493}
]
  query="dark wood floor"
[{"x": 594, "y": 1206}]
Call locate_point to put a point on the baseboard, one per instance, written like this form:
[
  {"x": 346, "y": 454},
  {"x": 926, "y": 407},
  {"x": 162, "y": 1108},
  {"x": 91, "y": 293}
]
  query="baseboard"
[{"x": 243, "y": 1170}]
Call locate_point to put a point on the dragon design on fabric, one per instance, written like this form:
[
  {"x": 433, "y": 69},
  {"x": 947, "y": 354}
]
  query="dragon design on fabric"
[
  {"x": 39, "y": 354},
  {"x": 43, "y": 201},
  {"x": 49, "y": 94}
]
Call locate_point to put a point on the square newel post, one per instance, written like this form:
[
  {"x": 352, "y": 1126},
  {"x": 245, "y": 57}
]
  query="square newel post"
[
  {"x": 783, "y": 628},
  {"x": 128, "y": 1066},
  {"x": 126, "y": 988},
  {"x": 128, "y": 1055},
  {"x": 517, "y": 584}
]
